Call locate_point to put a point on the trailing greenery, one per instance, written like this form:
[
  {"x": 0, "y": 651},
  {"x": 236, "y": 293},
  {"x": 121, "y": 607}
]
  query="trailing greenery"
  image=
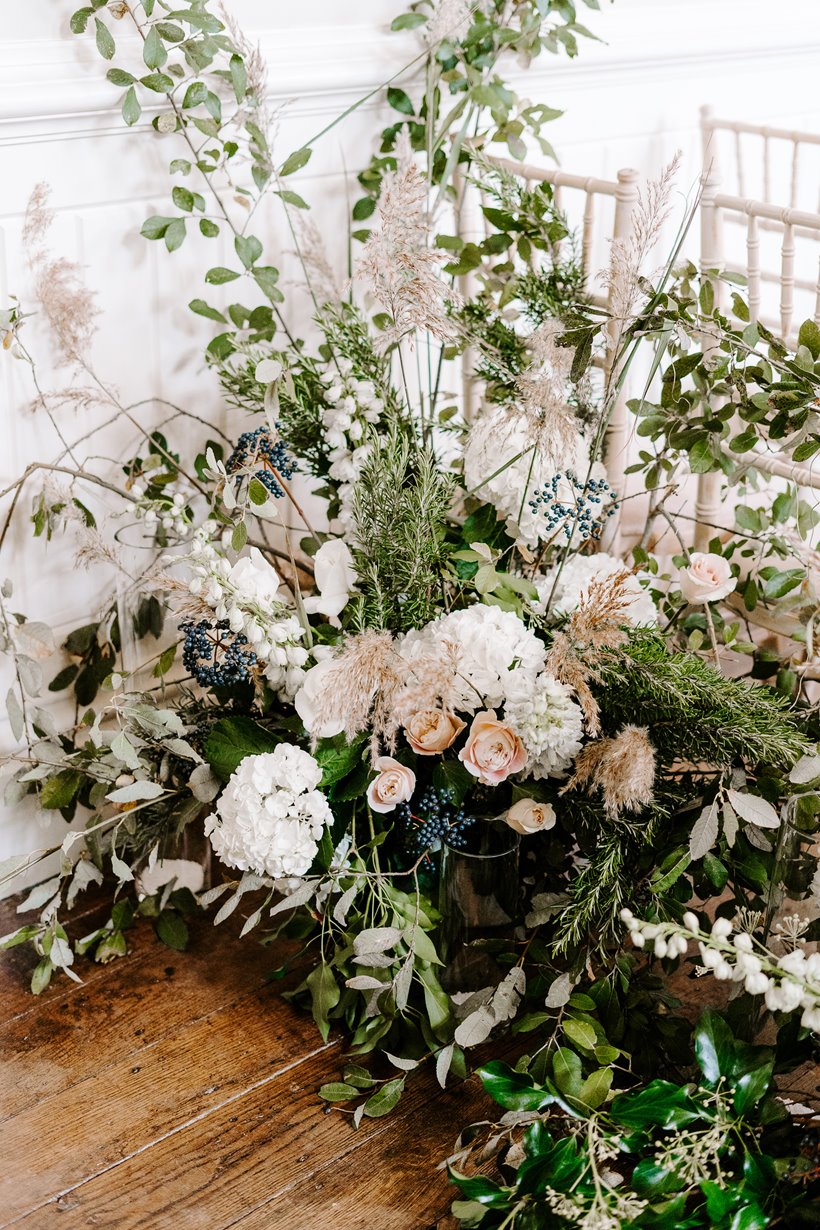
[{"x": 401, "y": 501}]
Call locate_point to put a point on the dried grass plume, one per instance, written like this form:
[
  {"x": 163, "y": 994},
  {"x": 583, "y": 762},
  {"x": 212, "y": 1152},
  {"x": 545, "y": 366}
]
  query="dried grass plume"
[{"x": 622, "y": 768}]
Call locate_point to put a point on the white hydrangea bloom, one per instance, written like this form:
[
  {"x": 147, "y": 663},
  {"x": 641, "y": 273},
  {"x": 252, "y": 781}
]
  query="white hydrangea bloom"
[
  {"x": 247, "y": 594},
  {"x": 548, "y": 720},
  {"x": 491, "y": 644},
  {"x": 271, "y": 816},
  {"x": 574, "y": 581},
  {"x": 500, "y": 437}
]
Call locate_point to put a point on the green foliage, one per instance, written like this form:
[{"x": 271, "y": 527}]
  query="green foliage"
[
  {"x": 401, "y": 500},
  {"x": 693, "y": 711},
  {"x": 232, "y": 739}
]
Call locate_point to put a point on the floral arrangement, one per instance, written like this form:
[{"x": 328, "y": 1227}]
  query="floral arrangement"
[{"x": 457, "y": 666}]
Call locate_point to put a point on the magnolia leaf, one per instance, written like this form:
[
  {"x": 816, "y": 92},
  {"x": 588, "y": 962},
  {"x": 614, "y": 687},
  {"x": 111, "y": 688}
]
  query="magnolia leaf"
[
  {"x": 344, "y": 903},
  {"x": 506, "y": 999},
  {"x": 299, "y": 897},
  {"x": 705, "y": 831},
  {"x": 754, "y": 810},
  {"x": 402, "y": 983},
  {"x": 123, "y": 749},
  {"x": 730, "y": 825}
]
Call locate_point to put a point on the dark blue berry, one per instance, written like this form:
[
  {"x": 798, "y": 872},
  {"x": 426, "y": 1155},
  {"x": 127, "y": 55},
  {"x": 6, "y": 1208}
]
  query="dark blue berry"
[{"x": 215, "y": 656}]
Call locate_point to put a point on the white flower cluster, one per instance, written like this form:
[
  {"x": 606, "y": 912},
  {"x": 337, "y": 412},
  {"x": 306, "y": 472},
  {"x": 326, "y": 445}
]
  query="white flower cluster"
[
  {"x": 491, "y": 643},
  {"x": 169, "y": 513},
  {"x": 500, "y": 441},
  {"x": 548, "y": 721},
  {"x": 574, "y": 580},
  {"x": 352, "y": 405},
  {"x": 247, "y": 595},
  {"x": 788, "y": 982},
  {"x": 271, "y": 816}
]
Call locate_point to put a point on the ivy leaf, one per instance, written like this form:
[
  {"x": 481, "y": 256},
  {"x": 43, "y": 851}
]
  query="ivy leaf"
[{"x": 105, "y": 43}]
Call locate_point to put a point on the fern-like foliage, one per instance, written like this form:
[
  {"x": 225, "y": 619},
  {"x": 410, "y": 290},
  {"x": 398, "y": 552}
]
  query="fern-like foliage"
[
  {"x": 694, "y": 712},
  {"x": 400, "y": 503}
]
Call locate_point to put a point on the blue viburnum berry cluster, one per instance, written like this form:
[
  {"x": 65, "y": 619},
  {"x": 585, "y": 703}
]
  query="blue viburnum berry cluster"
[
  {"x": 433, "y": 819},
  {"x": 581, "y": 508},
  {"x": 214, "y": 655},
  {"x": 264, "y": 457}
]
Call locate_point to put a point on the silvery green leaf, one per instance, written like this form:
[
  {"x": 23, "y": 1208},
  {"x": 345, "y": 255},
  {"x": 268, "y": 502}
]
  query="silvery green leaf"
[
  {"x": 344, "y": 903},
  {"x": 39, "y": 895},
  {"x": 402, "y": 983},
  {"x": 365, "y": 982},
  {"x": 123, "y": 749},
  {"x": 755, "y": 838},
  {"x": 136, "y": 792},
  {"x": 357, "y": 1115},
  {"x": 378, "y": 960},
  {"x": 228, "y": 908},
  {"x": 476, "y": 1028},
  {"x": 251, "y": 922},
  {"x": 404, "y": 1065},
  {"x": 302, "y": 895},
  {"x": 121, "y": 869},
  {"x": 181, "y": 747},
  {"x": 704, "y": 832},
  {"x": 730, "y": 825},
  {"x": 376, "y": 939},
  {"x": 754, "y": 810},
  {"x": 31, "y": 674},
  {"x": 15, "y": 714},
  {"x": 61, "y": 953},
  {"x": 43, "y": 719},
  {"x": 806, "y": 770},
  {"x": 443, "y": 1061},
  {"x": 508, "y": 995},
  {"x": 543, "y": 906},
  {"x": 35, "y": 639},
  {"x": 559, "y": 992},
  {"x": 85, "y": 873},
  {"x": 213, "y": 894},
  {"x": 204, "y": 784}
]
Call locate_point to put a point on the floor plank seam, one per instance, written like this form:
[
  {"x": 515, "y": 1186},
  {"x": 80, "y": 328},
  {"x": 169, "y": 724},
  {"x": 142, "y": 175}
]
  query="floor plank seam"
[{"x": 266, "y": 1080}]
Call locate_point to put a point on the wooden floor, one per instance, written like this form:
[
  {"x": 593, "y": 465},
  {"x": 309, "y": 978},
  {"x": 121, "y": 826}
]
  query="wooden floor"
[{"x": 178, "y": 1090}]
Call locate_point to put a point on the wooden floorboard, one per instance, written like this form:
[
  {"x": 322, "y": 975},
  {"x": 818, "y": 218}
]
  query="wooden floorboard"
[{"x": 179, "y": 1090}]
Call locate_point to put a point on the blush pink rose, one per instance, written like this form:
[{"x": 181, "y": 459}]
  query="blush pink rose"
[
  {"x": 493, "y": 751},
  {"x": 526, "y": 816},
  {"x": 395, "y": 784},
  {"x": 707, "y": 578},
  {"x": 431, "y": 731}
]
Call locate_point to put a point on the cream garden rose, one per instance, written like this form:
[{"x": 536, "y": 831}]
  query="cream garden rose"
[
  {"x": 707, "y": 578},
  {"x": 527, "y": 816},
  {"x": 431, "y": 731},
  {"x": 493, "y": 751},
  {"x": 394, "y": 784}
]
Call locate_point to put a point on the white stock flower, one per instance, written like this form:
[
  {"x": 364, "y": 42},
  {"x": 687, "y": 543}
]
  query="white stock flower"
[
  {"x": 491, "y": 644},
  {"x": 706, "y": 578},
  {"x": 335, "y": 578},
  {"x": 548, "y": 720},
  {"x": 574, "y": 580},
  {"x": 271, "y": 816}
]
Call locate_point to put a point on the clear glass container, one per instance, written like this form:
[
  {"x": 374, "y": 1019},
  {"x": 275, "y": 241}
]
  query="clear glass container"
[{"x": 479, "y": 895}]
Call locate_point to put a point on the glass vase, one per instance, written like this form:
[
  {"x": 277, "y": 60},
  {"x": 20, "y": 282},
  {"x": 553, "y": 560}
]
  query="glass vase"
[{"x": 479, "y": 894}]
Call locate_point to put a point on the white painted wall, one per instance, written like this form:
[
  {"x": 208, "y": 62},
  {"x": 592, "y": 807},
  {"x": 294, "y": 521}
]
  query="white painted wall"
[{"x": 632, "y": 100}]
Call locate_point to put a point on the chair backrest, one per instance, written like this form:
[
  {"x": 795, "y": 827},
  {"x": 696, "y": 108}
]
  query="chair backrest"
[
  {"x": 716, "y": 209},
  {"x": 755, "y": 160},
  {"x": 587, "y": 191}
]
